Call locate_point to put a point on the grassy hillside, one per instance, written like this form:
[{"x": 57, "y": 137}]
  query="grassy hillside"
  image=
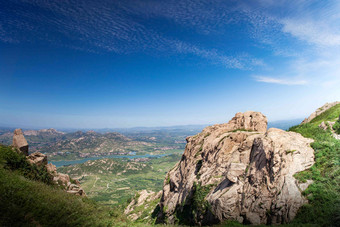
[
  {"x": 28, "y": 199},
  {"x": 324, "y": 193}
]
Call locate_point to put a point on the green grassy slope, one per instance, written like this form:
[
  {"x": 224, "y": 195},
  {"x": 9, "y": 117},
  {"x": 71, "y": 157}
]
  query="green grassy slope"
[
  {"x": 25, "y": 200},
  {"x": 324, "y": 193}
]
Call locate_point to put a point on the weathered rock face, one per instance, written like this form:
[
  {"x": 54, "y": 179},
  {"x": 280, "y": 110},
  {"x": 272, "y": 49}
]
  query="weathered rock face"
[
  {"x": 237, "y": 175},
  {"x": 249, "y": 121},
  {"x": 319, "y": 111},
  {"x": 19, "y": 141}
]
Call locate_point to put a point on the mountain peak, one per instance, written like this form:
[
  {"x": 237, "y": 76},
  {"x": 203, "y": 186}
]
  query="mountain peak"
[{"x": 240, "y": 170}]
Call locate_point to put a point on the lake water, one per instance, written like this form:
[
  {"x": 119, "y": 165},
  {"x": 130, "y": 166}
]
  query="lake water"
[{"x": 79, "y": 161}]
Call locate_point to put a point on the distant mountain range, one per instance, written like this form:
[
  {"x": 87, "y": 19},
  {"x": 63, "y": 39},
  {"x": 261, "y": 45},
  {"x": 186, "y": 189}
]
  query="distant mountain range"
[
  {"x": 78, "y": 144},
  {"x": 276, "y": 124}
]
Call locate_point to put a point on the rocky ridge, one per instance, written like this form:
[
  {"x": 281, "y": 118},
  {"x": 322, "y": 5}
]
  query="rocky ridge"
[
  {"x": 237, "y": 171},
  {"x": 39, "y": 159},
  {"x": 320, "y": 111}
]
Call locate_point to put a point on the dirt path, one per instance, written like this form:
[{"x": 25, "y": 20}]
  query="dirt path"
[{"x": 94, "y": 183}]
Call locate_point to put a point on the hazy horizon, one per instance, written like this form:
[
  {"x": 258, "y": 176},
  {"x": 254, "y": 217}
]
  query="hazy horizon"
[
  {"x": 123, "y": 64},
  {"x": 184, "y": 126}
]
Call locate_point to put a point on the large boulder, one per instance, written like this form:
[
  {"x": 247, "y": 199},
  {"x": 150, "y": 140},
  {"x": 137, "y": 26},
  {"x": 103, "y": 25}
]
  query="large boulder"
[
  {"x": 19, "y": 142},
  {"x": 249, "y": 121},
  {"x": 38, "y": 159},
  {"x": 51, "y": 168},
  {"x": 237, "y": 175},
  {"x": 62, "y": 179},
  {"x": 75, "y": 189}
]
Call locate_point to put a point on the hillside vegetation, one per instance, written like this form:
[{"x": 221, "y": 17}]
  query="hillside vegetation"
[{"x": 324, "y": 193}]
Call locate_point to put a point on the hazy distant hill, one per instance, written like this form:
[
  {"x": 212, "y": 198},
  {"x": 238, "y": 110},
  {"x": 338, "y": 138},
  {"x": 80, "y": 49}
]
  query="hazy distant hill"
[
  {"x": 34, "y": 137},
  {"x": 93, "y": 142},
  {"x": 77, "y": 144}
]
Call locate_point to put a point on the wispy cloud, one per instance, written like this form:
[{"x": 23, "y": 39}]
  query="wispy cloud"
[
  {"x": 306, "y": 34},
  {"x": 294, "y": 30},
  {"x": 282, "y": 81},
  {"x": 240, "y": 61},
  {"x": 112, "y": 26},
  {"x": 319, "y": 33}
]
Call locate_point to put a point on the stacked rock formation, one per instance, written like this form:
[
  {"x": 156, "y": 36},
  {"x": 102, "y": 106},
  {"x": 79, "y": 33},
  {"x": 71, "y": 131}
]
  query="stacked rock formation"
[
  {"x": 19, "y": 142},
  {"x": 39, "y": 159},
  {"x": 237, "y": 171}
]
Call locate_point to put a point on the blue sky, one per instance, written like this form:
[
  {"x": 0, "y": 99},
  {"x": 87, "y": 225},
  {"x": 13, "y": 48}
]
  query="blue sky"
[{"x": 97, "y": 64}]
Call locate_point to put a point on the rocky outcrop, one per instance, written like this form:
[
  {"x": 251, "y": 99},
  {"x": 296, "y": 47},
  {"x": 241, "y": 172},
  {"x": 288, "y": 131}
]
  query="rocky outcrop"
[
  {"x": 323, "y": 126},
  {"x": 51, "y": 168},
  {"x": 75, "y": 189},
  {"x": 39, "y": 159},
  {"x": 19, "y": 142},
  {"x": 328, "y": 125},
  {"x": 64, "y": 180},
  {"x": 319, "y": 111},
  {"x": 225, "y": 174}
]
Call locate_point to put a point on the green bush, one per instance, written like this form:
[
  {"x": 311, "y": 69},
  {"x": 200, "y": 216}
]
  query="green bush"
[
  {"x": 336, "y": 127},
  {"x": 195, "y": 206}
]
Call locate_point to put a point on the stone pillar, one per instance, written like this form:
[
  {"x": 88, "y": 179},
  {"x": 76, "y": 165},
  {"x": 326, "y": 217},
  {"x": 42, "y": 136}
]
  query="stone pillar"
[{"x": 19, "y": 142}]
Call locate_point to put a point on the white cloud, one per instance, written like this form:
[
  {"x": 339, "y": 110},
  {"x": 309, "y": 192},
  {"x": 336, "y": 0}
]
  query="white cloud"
[
  {"x": 282, "y": 81},
  {"x": 319, "y": 33}
]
